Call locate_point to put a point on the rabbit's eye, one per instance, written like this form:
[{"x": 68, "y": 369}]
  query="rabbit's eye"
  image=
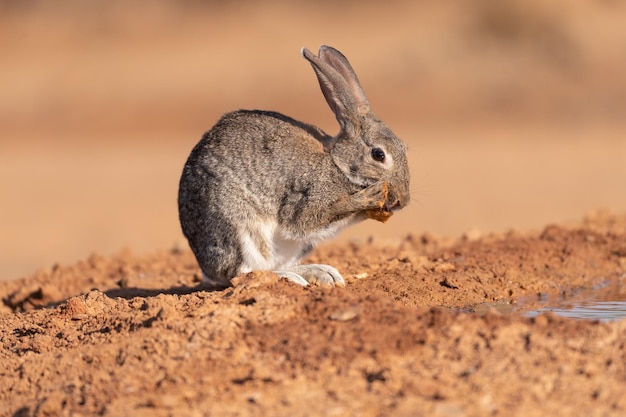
[{"x": 378, "y": 155}]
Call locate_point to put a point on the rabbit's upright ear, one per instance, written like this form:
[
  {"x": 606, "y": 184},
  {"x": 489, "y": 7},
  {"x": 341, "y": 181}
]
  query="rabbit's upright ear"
[{"x": 339, "y": 83}]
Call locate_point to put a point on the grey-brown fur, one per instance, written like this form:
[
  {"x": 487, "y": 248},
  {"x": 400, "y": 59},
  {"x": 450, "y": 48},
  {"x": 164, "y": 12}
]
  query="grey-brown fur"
[{"x": 260, "y": 189}]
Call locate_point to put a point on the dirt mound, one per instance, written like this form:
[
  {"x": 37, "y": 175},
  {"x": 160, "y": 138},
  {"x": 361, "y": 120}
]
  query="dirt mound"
[{"x": 139, "y": 336}]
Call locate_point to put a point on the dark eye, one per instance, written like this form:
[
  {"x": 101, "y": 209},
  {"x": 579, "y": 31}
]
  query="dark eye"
[{"x": 378, "y": 155}]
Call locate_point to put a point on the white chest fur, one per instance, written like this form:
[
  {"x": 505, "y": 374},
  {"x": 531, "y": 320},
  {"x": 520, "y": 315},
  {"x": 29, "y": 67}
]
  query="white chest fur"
[{"x": 270, "y": 247}]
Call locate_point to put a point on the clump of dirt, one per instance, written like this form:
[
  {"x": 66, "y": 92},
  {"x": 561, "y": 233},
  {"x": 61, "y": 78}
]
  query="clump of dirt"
[{"x": 140, "y": 336}]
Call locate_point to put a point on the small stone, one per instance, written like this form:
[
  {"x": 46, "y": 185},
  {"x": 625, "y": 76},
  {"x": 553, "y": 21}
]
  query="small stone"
[
  {"x": 347, "y": 314},
  {"x": 74, "y": 309},
  {"x": 449, "y": 283},
  {"x": 448, "y": 410},
  {"x": 444, "y": 267}
]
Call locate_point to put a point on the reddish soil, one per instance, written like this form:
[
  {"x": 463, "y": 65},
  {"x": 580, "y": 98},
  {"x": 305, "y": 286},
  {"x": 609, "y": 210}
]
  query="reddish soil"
[{"x": 131, "y": 335}]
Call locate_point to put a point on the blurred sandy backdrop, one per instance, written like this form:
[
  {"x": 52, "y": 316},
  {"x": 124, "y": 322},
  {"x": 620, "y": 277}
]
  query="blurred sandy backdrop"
[{"x": 514, "y": 111}]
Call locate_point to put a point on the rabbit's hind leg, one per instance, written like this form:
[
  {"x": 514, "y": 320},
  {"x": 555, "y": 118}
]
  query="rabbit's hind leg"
[
  {"x": 319, "y": 274},
  {"x": 293, "y": 277},
  {"x": 212, "y": 283}
]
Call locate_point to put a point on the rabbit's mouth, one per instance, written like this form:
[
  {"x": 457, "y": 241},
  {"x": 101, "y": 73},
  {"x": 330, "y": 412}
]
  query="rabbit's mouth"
[
  {"x": 392, "y": 207},
  {"x": 393, "y": 202}
]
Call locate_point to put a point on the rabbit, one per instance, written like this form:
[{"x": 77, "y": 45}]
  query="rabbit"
[{"x": 261, "y": 190}]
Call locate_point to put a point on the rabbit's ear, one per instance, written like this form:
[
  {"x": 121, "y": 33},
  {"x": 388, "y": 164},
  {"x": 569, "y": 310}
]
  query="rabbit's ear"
[{"x": 339, "y": 83}]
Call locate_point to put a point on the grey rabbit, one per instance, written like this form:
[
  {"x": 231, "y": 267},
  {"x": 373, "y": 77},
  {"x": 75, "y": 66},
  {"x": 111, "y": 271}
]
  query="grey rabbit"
[{"x": 261, "y": 190}]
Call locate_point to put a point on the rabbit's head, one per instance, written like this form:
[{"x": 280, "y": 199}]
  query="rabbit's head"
[{"x": 365, "y": 149}]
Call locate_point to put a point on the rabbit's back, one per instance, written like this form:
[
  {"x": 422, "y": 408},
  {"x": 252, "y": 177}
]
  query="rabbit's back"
[{"x": 253, "y": 155}]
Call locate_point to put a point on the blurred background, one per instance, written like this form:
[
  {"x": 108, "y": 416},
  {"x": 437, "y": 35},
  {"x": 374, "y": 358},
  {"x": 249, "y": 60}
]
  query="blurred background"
[{"x": 513, "y": 110}]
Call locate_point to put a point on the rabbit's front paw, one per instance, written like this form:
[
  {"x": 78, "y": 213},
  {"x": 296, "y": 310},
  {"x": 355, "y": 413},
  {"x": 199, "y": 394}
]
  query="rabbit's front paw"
[
  {"x": 377, "y": 209},
  {"x": 318, "y": 274},
  {"x": 375, "y": 196}
]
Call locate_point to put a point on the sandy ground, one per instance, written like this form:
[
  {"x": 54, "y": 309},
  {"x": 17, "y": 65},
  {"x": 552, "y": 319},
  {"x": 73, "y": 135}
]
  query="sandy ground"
[
  {"x": 514, "y": 113},
  {"x": 425, "y": 326}
]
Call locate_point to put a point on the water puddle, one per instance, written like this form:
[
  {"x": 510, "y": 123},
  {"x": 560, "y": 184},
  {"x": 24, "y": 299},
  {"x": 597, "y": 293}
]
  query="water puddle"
[{"x": 605, "y": 302}]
